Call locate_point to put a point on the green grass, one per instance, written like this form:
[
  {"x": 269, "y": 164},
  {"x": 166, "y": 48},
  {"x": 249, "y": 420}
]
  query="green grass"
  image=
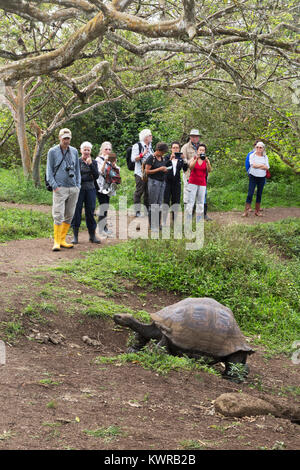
[
  {"x": 14, "y": 187},
  {"x": 108, "y": 434},
  {"x": 260, "y": 287},
  {"x": 283, "y": 236},
  {"x": 101, "y": 308},
  {"x": 161, "y": 363},
  {"x": 10, "y": 330},
  {"x": 21, "y": 224}
]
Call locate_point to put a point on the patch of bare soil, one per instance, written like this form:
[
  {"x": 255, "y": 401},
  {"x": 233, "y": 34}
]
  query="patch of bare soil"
[{"x": 53, "y": 393}]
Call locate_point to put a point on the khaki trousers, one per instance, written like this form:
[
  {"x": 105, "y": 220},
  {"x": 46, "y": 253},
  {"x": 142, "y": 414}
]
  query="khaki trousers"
[{"x": 64, "y": 204}]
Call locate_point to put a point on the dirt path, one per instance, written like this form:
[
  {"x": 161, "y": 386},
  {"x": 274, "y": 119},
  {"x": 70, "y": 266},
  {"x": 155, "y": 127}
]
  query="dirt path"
[
  {"x": 53, "y": 394},
  {"x": 21, "y": 255}
]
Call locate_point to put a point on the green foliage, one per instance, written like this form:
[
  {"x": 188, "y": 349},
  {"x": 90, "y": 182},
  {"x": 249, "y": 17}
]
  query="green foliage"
[
  {"x": 20, "y": 224},
  {"x": 119, "y": 123}
]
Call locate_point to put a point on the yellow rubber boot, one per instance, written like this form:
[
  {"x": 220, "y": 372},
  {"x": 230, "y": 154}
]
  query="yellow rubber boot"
[
  {"x": 57, "y": 232},
  {"x": 64, "y": 230}
]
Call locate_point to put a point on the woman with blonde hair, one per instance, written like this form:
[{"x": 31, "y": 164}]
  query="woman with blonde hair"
[
  {"x": 104, "y": 191},
  {"x": 259, "y": 164}
]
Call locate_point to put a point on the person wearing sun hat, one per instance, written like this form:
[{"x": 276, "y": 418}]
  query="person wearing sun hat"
[{"x": 63, "y": 174}]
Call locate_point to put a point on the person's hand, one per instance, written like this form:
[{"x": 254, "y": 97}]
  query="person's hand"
[
  {"x": 145, "y": 151},
  {"x": 164, "y": 169},
  {"x": 88, "y": 161}
]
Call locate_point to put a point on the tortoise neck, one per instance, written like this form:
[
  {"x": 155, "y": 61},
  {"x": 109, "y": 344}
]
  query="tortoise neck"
[{"x": 149, "y": 331}]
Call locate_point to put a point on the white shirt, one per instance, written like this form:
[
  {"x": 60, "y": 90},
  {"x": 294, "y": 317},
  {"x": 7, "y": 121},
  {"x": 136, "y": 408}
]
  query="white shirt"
[
  {"x": 135, "y": 153},
  {"x": 258, "y": 160},
  {"x": 174, "y": 164}
]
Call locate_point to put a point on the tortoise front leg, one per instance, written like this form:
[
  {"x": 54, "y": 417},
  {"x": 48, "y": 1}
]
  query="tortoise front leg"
[
  {"x": 163, "y": 344},
  {"x": 236, "y": 368},
  {"x": 138, "y": 343}
]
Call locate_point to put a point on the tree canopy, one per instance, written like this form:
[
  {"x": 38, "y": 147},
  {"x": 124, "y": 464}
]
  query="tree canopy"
[{"x": 98, "y": 52}]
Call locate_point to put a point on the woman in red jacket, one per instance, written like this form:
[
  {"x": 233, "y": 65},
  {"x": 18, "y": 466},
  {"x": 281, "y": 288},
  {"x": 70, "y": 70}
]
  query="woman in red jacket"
[{"x": 199, "y": 166}]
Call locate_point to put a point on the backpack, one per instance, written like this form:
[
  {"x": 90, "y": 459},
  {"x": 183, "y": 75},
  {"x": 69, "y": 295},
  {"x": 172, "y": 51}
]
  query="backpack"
[
  {"x": 130, "y": 163},
  {"x": 247, "y": 161}
]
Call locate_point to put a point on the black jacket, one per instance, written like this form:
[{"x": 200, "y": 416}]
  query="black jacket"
[
  {"x": 89, "y": 173},
  {"x": 181, "y": 165}
]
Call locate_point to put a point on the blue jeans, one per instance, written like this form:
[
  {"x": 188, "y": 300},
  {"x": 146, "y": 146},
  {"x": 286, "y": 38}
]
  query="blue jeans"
[
  {"x": 88, "y": 198},
  {"x": 254, "y": 181}
]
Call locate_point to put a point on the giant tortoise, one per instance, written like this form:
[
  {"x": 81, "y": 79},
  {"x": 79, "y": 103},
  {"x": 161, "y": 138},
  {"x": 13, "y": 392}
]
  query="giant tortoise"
[{"x": 196, "y": 327}]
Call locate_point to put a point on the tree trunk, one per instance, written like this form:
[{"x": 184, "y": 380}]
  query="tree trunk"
[
  {"x": 41, "y": 139},
  {"x": 20, "y": 123}
]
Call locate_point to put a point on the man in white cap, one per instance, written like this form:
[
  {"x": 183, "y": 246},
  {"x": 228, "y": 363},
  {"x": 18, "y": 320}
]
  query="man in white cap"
[
  {"x": 189, "y": 150},
  {"x": 63, "y": 174}
]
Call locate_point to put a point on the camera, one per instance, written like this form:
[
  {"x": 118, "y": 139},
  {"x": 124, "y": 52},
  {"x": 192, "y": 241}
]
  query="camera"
[
  {"x": 178, "y": 155},
  {"x": 70, "y": 170},
  {"x": 202, "y": 156}
]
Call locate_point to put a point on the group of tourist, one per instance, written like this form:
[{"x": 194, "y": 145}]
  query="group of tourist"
[{"x": 158, "y": 173}]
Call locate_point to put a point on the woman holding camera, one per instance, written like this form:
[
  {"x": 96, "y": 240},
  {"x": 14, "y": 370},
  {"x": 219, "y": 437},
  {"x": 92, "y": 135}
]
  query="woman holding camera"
[
  {"x": 199, "y": 166},
  {"x": 104, "y": 192},
  {"x": 172, "y": 193}
]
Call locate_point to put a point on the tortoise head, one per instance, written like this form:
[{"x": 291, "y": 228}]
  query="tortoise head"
[{"x": 123, "y": 319}]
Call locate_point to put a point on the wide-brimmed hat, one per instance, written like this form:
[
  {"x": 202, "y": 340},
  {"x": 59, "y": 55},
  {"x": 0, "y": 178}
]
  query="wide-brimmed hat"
[
  {"x": 65, "y": 133},
  {"x": 195, "y": 132}
]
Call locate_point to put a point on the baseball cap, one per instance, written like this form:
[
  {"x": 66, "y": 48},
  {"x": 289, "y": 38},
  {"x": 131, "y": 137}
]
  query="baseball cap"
[
  {"x": 65, "y": 133},
  {"x": 195, "y": 132}
]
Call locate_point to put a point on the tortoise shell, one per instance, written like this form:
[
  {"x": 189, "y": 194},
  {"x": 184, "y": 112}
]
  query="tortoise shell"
[{"x": 201, "y": 325}]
